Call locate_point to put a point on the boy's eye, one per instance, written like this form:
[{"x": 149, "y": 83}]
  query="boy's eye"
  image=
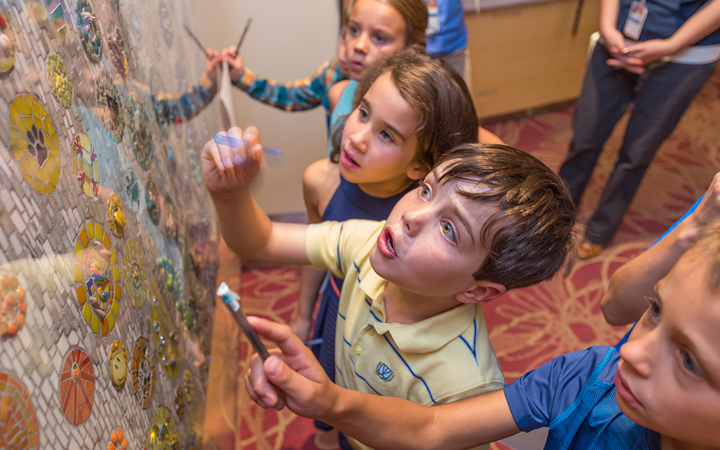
[
  {"x": 424, "y": 191},
  {"x": 448, "y": 231},
  {"x": 688, "y": 363},
  {"x": 353, "y": 30},
  {"x": 654, "y": 307}
]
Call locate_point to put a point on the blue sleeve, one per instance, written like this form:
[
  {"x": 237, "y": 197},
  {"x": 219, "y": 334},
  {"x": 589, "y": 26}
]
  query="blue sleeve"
[{"x": 541, "y": 395}]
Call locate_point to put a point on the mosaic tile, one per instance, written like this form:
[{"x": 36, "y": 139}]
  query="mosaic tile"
[
  {"x": 139, "y": 133},
  {"x": 165, "y": 336},
  {"x": 19, "y": 426},
  {"x": 96, "y": 277},
  {"x": 142, "y": 372},
  {"x": 118, "y": 56},
  {"x": 179, "y": 403},
  {"x": 85, "y": 165},
  {"x": 13, "y": 308},
  {"x": 87, "y": 24},
  {"x": 77, "y": 386},
  {"x": 110, "y": 105},
  {"x": 118, "y": 365},
  {"x": 7, "y": 43},
  {"x": 34, "y": 143},
  {"x": 163, "y": 432},
  {"x": 59, "y": 79},
  {"x": 116, "y": 215},
  {"x": 134, "y": 273},
  {"x": 117, "y": 440}
]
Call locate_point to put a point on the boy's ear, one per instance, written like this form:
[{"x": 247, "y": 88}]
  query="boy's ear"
[
  {"x": 417, "y": 171},
  {"x": 480, "y": 292}
]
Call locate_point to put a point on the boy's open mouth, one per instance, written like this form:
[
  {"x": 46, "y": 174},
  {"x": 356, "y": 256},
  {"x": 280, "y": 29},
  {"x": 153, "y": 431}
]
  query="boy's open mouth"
[
  {"x": 385, "y": 244},
  {"x": 347, "y": 161}
]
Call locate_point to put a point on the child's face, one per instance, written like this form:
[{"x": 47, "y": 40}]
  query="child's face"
[
  {"x": 375, "y": 29},
  {"x": 669, "y": 377},
  {"x": 379, "y": 146},
  {"x": 431, "y": 242}
]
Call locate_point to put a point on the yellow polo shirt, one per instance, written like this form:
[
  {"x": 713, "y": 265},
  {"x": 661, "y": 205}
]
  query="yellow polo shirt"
[{"x": 438, "y": 360}]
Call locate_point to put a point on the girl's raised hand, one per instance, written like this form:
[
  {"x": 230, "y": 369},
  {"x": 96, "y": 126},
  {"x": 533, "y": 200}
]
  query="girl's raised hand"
[
  {"x": 235, "y": 63},
  {"x": 227, "y": 170}
]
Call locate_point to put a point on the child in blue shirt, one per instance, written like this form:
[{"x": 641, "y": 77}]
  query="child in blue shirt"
[{"x": 660, "y": 390}]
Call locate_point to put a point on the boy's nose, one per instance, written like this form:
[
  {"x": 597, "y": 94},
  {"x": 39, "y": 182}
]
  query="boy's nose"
[
  {"x": 639, "y": 354},
  {"x": 414, "y": 219}
]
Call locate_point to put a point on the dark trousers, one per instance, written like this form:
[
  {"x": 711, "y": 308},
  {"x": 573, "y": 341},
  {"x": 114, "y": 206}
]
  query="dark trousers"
[{"x": 659, "y": 97}]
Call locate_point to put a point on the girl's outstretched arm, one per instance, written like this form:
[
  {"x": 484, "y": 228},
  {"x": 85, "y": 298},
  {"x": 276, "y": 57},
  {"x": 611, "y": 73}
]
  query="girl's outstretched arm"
[
  {"x": 380, "y": 422},
  {"x": 228, "y": 173}
]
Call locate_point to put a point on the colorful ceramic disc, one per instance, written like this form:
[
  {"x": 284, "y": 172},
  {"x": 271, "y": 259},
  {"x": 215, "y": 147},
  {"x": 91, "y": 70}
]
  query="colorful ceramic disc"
[
  {"x": 118, "y": 365},
  {"x": 59, "y": 79},
  {"x": 163, "y": 432},
  {"x": 110, "y": 105},
  {"x": 134, "y": 273},
  {"x": 17, "y": 421},
  {"x": 89, "y": 30},
  {"x": 7, "y": 43},
  {"x": 34, "y": 143},
  {"x": 97, "y": 272},
  {"x": 116, "y": 215},
  {"x": 86, "y": 165},
  {"x": 142, "y": 371},
  {"x": 77, "y": 386}
]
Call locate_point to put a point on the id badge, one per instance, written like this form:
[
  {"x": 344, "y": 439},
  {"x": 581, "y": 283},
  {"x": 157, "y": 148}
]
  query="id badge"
[
  {"x": 433, "y": 24},
  {"x": 635, "y": 20}
]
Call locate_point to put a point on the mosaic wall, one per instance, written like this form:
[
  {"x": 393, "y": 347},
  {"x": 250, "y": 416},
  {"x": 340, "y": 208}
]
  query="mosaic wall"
[{"x": 107, "y": 249}]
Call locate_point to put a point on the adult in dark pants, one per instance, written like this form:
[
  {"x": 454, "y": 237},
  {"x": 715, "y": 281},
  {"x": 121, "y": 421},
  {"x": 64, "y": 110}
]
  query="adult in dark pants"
[{"x": 659, "y": 73}]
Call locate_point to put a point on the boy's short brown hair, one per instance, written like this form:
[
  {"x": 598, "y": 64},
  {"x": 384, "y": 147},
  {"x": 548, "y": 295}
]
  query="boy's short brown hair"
[{"x": 530, "y": 236}]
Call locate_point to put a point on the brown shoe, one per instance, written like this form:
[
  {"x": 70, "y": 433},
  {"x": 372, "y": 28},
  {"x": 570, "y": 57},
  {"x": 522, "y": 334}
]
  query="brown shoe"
[{"x": 587, "y": 250}]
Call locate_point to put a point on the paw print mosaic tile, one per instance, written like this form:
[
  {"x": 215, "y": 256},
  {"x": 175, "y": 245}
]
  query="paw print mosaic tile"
[{"x": 95, "y": 199}]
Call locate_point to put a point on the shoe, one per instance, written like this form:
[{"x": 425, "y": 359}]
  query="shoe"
[{"x": 587, "y": 250}]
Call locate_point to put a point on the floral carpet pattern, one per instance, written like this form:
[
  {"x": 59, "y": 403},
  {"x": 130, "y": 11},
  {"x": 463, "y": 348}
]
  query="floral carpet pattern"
[{"x": 527, "y": 326}]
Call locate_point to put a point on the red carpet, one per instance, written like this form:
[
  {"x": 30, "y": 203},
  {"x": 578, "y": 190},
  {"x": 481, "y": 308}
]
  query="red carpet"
[{"x": 527, "y": 326}]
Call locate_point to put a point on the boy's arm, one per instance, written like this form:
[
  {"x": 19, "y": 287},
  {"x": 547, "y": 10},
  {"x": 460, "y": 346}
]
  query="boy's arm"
[
  {"x": 380, "y": 422},
  {"x": 299, "y": 95},
  {"x": 624, "y": 301},
  {"x": 228, "y": 173}
]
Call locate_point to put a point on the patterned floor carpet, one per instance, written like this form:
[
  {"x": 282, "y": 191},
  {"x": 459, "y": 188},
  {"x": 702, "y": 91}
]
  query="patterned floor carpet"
[{"x": 527, "y": 326}]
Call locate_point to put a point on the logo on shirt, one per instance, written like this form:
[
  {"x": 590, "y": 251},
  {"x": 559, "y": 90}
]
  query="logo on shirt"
[{"x": 384, "y": 372}]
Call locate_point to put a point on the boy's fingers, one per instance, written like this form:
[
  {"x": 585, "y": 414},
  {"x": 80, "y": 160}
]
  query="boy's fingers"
[
  {"x": 280, "y": 334},
  {"x": 292, "y": 384}
]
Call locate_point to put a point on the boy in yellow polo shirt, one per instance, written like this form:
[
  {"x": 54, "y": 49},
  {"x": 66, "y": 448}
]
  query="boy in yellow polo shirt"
[{"x": 486, "y": 219}]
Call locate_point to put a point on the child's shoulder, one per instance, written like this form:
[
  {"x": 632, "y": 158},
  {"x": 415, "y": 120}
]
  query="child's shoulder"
[
  {"x": 336, "y": 92},
  {"x": 320, "y": 181}
]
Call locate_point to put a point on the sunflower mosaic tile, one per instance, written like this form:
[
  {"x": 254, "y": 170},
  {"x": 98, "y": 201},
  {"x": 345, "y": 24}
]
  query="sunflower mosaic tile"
[
  {"x": 118, "y": 365},
  {"x": 59, "y": 79},
  {"x": 97, "y": 276},
  {"x": 34, "y": 143}
]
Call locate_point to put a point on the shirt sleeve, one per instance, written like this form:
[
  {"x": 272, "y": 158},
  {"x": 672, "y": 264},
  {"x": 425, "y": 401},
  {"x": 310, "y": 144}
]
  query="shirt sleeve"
[
  {"x": 541, "y": 395},
  {"x": 299, "y": 95},
  {"x": 176, "y": 108}
]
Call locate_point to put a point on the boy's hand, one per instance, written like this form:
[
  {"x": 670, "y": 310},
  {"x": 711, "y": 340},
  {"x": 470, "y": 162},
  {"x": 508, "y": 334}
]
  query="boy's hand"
[
  {"x": 235, "y": 62},
  {"x": 227, "y": 170},
  {"x": 212, "y": 59},
  {"x": 652, "y": 50},
  {"x": 293, "y": 371}
]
